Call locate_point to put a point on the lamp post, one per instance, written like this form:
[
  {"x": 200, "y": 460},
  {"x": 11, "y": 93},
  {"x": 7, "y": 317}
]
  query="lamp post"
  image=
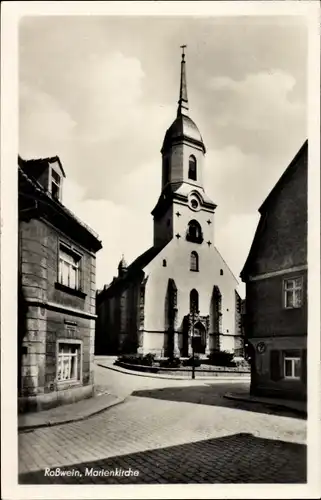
[{"x": 193, "y": 343}]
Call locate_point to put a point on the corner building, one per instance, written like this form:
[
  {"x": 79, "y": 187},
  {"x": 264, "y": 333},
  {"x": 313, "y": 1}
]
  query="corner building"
[
  {"x": 180, "y": 287},
  {"x": 56, "y": 292}
]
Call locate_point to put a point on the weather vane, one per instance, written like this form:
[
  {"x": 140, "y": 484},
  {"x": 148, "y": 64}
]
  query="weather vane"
[{"x": 183, "y": 47}]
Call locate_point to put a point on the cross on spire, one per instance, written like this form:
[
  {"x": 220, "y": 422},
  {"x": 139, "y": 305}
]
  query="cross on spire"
[
  {"x": 183, "y": 101},
  {"x": 183, "y": 47}
]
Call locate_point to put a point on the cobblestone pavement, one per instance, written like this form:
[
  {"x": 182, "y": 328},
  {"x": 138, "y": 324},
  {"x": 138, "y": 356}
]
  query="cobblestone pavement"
[{"x": 169, "y": 441}]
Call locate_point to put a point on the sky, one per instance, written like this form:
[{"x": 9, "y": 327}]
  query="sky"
[{"x": 100, "y": 92}]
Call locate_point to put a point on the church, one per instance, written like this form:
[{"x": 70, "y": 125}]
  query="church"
[{"x": 179, "y": 293}]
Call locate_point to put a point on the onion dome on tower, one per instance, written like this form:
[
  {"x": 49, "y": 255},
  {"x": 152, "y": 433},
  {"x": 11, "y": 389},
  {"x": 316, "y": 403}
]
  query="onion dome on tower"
[{"x": 183, "y": 127}]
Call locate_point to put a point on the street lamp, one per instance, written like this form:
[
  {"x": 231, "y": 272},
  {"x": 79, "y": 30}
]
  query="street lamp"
[{"x": 193, "y": 342}]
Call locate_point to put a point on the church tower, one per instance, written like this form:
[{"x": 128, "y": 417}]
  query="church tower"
[{"x": 183, "y": 196}]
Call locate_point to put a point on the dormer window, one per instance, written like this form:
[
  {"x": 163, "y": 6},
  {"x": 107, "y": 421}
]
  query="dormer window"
[
  {"x": 192, "y": 174},
  {"x": 55, "y": 185}
]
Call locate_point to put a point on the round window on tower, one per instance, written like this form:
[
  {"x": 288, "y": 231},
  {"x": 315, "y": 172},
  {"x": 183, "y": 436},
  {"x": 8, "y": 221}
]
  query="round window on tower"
[{"x": 194, "y": 204}]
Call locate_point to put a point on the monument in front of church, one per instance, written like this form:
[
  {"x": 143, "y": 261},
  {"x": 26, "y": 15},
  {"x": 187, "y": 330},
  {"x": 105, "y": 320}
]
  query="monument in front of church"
[{"x": 181, "y": 288}]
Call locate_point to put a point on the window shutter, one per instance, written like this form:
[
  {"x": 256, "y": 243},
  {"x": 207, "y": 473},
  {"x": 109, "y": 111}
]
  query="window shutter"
[
  {"x": 275, "y": 365},
  {"x": 304, "y": 366}
]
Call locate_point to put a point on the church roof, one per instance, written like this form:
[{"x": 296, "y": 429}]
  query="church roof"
[
  {"x": 134, "y": 271},
  {"x": 183, "y": 127}
]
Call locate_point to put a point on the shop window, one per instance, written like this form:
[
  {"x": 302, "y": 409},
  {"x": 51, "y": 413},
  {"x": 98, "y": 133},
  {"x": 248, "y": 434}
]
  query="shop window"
[{"x": 69, "y": 361}]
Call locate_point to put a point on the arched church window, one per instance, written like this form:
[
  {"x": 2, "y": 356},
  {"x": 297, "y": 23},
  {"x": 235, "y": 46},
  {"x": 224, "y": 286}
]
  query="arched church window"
[
  {"x": 193, "y": 301},
  {"x": 194, "y": 232},
  {"x": 166, "y": 171},
  {"x": 192, "y": 174},
  {"x": 194, "y": 261}
]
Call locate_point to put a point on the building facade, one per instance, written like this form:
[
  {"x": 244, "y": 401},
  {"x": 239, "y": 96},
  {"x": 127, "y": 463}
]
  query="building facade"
[
  {"x": 56, "y": 292},
  {"x": 180, "y": 288},
  {"x": 275, "y": 274}
]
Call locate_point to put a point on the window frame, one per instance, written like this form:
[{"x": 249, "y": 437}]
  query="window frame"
[
  {"x": 194, "y": 255},
  {"x": 192, "y": 159},
  {"x": 52, "y": 180},
  {"x": 293, "y": 359},
  {"x": 79, "y": 362},
  {"x": 193, "y": 294},
  {"x": 77, "y": 258},
  {"x": 294, "y": 289},
  {"x": 198, "y": 238}
]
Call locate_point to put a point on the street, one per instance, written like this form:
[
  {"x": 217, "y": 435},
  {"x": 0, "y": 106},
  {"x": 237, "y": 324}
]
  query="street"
[{"x": 169, "y": 431}]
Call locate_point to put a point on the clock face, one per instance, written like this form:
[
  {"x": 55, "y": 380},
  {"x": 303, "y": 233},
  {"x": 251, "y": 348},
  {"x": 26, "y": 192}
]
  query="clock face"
[{"x": 194, "y": 202}]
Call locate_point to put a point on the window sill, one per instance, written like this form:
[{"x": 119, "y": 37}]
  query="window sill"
[
  {"x": 71, "y": 291},
  {"x": 194, "y": 270},
  {"x": 194, "y": 240},
  {"x": 66, "y": 384}
]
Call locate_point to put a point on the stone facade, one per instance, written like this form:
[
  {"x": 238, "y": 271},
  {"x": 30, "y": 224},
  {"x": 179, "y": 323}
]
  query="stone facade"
[
  {"x": 148, "y": 307},
  {"x": 51, "y": 315},
  {"x": 276, "y": 329}
]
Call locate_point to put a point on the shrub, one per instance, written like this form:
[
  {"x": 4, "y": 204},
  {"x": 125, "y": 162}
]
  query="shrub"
[
  {"x": 170, "y": 363},
  {"x": 189, "y": 361},
  {"x": 137, "y": 359},
  {"x": 221, "y": 358},
  {"x": 148, "y": 359}
]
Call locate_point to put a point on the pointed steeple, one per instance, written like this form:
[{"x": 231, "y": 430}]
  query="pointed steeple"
[{"x": 183, "y": 101}]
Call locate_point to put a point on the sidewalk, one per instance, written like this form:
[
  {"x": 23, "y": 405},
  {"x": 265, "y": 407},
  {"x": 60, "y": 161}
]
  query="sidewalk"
[
  {"x": 68, "y": 413},
  {"x": 296, "y": 406}
]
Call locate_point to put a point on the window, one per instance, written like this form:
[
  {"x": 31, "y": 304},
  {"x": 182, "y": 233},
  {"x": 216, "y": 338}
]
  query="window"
[
  {"x": 194, "y": 232},
  {"x": 55, "y": 185},
  {"x": 166, "y": 171},
  {"x": 69, "y": 268},
  {"x": 164, "y": 263},
  {"x": 292, "y": 367},
  {"x": 221, "y": 272},
  {"x": 194, "y": 261},
  {"x": 293, "y": 293},
  {"x": 192, "y": 168},
  {"x": 193, "y": 301},
  {"x": 69, "y": 361}
]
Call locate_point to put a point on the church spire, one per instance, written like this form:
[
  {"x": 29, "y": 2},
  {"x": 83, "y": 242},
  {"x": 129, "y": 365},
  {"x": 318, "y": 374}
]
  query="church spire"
[{"x": 183, "y": 101}]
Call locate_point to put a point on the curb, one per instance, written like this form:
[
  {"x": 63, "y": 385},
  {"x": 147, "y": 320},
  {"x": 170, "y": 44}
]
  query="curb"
[
  {"x": 267, "y": 403},
  {"x": 167, "y": 377},
  {"x": 48, "y": 423}
]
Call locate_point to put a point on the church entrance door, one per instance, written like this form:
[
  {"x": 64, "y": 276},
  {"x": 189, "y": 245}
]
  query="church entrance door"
[{"x": 199, "y": 338}]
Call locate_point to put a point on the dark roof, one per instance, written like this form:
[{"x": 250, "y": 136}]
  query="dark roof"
[
  {"x": 284, "y": 177},
  {"x": 135, "y": 271},
  {"x": 182, "y": 128},
  {"x": 55, "y": 210},
  {"x": 35, "y": 167},
  {"x": 269, "y": 200}
]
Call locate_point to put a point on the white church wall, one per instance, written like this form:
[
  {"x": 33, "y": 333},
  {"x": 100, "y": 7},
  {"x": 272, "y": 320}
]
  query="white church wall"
[{"x": 177, "y": 256}]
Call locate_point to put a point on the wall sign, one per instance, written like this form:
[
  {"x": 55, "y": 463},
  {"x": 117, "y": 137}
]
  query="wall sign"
[{"x": 261, "y": 347}]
